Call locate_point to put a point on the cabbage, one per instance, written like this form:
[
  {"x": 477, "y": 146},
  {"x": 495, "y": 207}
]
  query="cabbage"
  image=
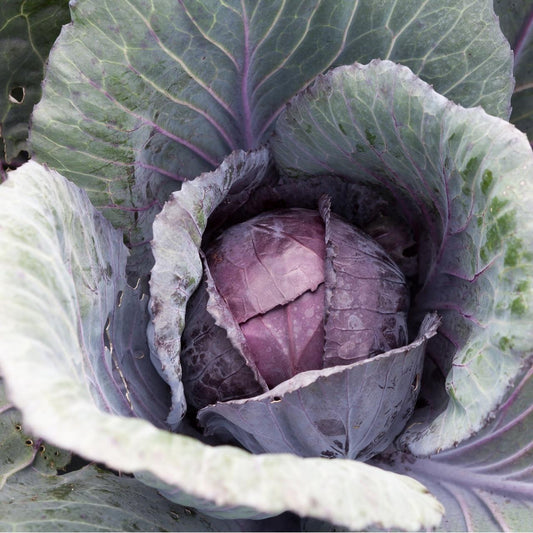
[
  {"x": 269, "y": 274},
  {"x": 275, "y": 305},
  {"x": 163, "y": 127}
]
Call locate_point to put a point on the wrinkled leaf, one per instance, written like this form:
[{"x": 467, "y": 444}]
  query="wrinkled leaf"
[
  {"x": 43, "y": 368},
  {"x": 92, "y": 499},
  {"x": 516, "y": 19},
  {"x": 19, "y": 450},
  {"x": 140, "y": 95},
  {"x": 178, "y": 231},
  {"x": 352, "y": 411},
  {"x": 212, "y": 354},
  {"x": 28, "y": 29},
  {"x": 485, "y": 483},
  {"x": 366, "y": 296},
  {"x": 460, "y": 179}
]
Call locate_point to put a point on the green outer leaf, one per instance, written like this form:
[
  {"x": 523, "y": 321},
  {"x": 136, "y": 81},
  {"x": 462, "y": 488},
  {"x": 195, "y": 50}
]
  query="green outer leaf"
[
  {"x": 92, "y": 499},
  {"x": 516, "y": 19},
  {"x": 139, "y": 95},
  {"x": 44, "y": 379},
  {"x": 343, "y": 492},
  {"x": 16, "y": 447},
  {"x": 19, "y": 450},
  {"x": 72, "y": 253},
  {"x": 462, "y": 180},
  {"x": 28, "y": 29}
]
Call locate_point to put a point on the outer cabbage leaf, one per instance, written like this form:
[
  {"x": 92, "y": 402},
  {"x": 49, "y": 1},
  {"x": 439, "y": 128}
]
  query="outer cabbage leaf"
[
  {"x": 461, "y": 180},
  {"x": 146, "y": 394},
  {"x": 71, "y": 294},
  {"x": 486, "y": 483},
  {"x": 516, "y": 19},
  {"x": 43, "y": 363},
  {"x": 178, "y": 232},
  {"x": 92, "y": 499},
  {"x": 27, "y": 32},
  {"x": 19, "y": 450},
  {"x": 16, "y": 447},
  {"x": 140, "y": 95},
  {"x": 34, "y": 498}
]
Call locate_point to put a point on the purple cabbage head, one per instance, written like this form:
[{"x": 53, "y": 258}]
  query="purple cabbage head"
[{"x": 285, "y": 292}]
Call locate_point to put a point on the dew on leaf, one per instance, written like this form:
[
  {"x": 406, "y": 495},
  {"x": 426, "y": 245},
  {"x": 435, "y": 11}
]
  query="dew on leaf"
[{"x": 496, "y": 205}]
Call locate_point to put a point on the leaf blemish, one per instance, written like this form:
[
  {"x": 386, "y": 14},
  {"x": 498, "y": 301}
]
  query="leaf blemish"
[
  {"x": 486, "y": 181},
  {"x": 370, "y": 137}
]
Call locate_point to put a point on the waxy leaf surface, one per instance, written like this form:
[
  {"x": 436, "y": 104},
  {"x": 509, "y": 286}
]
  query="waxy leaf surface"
[
  {"x": 351, "y": 411},
  {"x": 140, "y": 95},
  {"x": 461, "y": 180},
  {"x": 69, "y": 263}
]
